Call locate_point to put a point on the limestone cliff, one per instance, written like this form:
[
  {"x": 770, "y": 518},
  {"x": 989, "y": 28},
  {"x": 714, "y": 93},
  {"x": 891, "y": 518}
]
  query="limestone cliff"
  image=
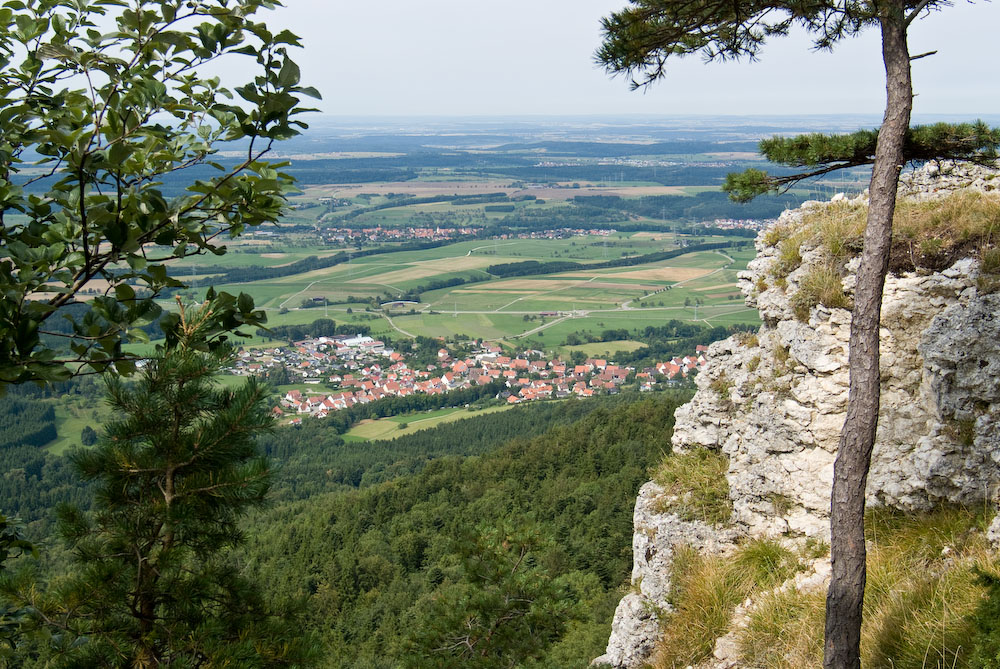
[{"x": 774, "y": 404}]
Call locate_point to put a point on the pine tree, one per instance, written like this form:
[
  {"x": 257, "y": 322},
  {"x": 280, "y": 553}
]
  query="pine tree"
[
  {"x": 503, "y": 611},
  {"x": 175, "y": 471},
  {"x": 13, "y": 544}
]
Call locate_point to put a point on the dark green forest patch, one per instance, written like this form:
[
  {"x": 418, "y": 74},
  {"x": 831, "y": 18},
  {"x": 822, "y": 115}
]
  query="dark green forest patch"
[{"x": 377, "y": 563}]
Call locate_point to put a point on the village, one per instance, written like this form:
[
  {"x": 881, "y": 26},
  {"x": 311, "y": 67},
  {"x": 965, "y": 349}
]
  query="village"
[
  {"x": 379, "y": 234},
  {"x": 362, "y": 369}
]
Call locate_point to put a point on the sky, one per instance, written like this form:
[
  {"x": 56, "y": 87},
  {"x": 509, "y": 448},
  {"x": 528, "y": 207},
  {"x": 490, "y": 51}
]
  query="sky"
[{"x": 535, "y": 57}]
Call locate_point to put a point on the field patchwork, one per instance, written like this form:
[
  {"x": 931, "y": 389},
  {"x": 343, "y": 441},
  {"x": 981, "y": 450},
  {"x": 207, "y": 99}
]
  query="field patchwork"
[{"x": 667, "y": 273}]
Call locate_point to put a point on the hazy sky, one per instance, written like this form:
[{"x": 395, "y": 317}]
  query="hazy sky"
[{"x": 469, "y": 57}]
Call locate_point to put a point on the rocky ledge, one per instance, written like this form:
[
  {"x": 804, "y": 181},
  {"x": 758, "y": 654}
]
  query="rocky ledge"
[{"x": 774, "y": 404}]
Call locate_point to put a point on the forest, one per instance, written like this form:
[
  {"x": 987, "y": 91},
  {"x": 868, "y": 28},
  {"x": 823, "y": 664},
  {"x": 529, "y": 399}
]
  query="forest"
[
  {"x": 395, "y": 569},
  {"x": 673, "y": 339},
  {"x": 383, "y": 543},
  {"x": 703, "y": 206}
]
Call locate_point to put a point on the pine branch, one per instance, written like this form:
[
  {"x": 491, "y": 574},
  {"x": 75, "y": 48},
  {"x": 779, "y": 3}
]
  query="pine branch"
[{"x": 973, "y": 142}]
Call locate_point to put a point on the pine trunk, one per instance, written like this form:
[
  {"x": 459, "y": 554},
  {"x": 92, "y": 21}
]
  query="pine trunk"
[{"x": 850, "y": 476}]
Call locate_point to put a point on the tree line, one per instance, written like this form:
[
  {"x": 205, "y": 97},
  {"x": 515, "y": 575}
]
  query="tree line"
[
  {"x": 321, "y": 327},
  {"x": 26, "y": 423},
  {"x": 703, "y": 206},
  {"x": 251, "y": 273},
  {"x": 312, "y": 458}
]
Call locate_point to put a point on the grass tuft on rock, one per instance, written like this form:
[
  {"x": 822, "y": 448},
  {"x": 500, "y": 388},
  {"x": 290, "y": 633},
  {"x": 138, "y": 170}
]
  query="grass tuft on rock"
[
  {"x": 706, "y": 590},
  {"x": 695, "y": 483},
  {"x": 821, "y": 285},
  {"x": 927, "y": 235}
]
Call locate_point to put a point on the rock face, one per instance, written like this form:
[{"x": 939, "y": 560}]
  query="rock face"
[
  {"x": 774, "y": 404},
  {"x": 636, "y": 626}
]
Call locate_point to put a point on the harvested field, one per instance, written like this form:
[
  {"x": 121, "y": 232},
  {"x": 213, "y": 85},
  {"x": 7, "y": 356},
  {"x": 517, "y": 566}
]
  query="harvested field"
[
  {"x": 273, "y": 255},
  {"x": 715, "y": 287},
  {"x": 429, "y": 268},
  {"x": 596, "y": 300},
  {"x": 398, "y": 276},
  {"x": 458, "y": 263},
  {"x": 630, "y": 287},
  {"x": 587, "y": 281},
  {"x": 487, "y": 291},
  {"x": 533, "y": 285},
  {"x": 655, "y": 273},
  {"x": 664, "y": 273}
]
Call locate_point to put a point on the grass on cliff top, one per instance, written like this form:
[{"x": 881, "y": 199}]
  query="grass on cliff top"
[
  {"x": 695, "y": 485},
  {"x": 920, "y": 604},
  {"x": 928, "y": 234}
]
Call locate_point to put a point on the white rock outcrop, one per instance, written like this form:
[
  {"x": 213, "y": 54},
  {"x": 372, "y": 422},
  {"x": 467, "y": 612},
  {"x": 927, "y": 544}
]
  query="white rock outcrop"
[
  {"x": 774, "y": 404},
  {"x": 636, "y": 625}
]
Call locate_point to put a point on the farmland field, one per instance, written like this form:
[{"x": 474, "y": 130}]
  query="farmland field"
[
  {"x": 71, "y": 417},
  {"x": 430, "y": 187},
  {"x": 551, "y": 195},
  {"x": 699, "y": 286}
]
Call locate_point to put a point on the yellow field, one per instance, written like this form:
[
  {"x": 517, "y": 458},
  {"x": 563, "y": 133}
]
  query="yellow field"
[
  {"x": 388, "y": 428},
  {"x": 664, "y": 273},
  {"x": 599, "y": 300},
  {"x": 398, "y": 276},
  {"x": 457, "y": 263},
  {"x": 657, "y": 273},
  {"x": 715, "y": 287},
  {"x": 487, "y": 291},
  {"x": 619, "y": 286},
  {"x": 534, "y": 285}
]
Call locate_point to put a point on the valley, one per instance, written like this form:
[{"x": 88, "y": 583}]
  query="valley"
[{"x": 468, "y": 335}]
